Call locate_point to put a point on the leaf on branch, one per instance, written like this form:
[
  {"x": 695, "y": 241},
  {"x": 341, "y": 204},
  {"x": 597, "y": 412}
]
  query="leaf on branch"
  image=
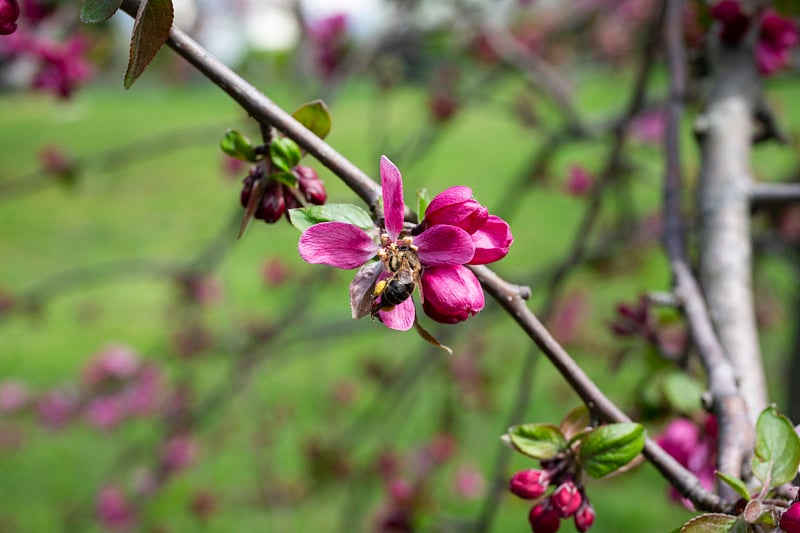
[
  {"x": 540, "y": 441},
  {"x": 305, "y": 217},
  {"x": 315, "y": 116},
  {"x": 609, "y": 448},
  {"x": 575, "y": 422},
  {"x": 285, "y": 153},
  {"x": 735, "y": 483},
  {"x": 150, "y": 32},
  {"x": 777, "y": 453},
  {"x": 713, "y": 523},
  {"x": 238, "y": 146},
  {"x": 428, "y": 336},
  {"x": 96, "y": 11}
]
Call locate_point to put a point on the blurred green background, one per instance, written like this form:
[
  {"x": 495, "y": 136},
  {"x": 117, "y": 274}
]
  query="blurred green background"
[{"x": 316, "y": 377}]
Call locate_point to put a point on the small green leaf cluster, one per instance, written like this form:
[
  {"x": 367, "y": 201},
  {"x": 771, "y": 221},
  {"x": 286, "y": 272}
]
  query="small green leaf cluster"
[{"x": 775, "y": 463}]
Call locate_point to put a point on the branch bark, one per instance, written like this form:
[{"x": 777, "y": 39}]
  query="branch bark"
[{"x": 725, "y": 130}]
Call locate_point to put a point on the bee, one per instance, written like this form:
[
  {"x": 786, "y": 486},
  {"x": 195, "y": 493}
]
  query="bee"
[{"x": 404, "y": 269}]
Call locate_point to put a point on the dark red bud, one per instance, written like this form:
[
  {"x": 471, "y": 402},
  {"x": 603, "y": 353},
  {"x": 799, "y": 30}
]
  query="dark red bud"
[
  {"x": 790, "y": 520},
  {"x": 310, "y": 185},
  {"x": 247, "y": 187},
  {"x": 9, "y": 13},
  {"x": 584, "y": 517},
  {"x": 273, "y": 205},
  {"x": 291, "y": 200},
  {"x": 566, "y": 499},
  {"x": 530, "y": 484},
  {"x": 543, "y": 518}
]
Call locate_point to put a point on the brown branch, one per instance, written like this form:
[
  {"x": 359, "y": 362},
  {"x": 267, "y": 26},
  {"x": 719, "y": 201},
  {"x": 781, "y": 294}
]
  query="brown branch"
[
  {"x": 511, "y": 297},
  {"x": 735, "y": 432},
  {"x": 764, "y": 194}
]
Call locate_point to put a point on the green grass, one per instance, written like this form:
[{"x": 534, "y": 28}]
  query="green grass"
[{"x": 169, "y": 206}]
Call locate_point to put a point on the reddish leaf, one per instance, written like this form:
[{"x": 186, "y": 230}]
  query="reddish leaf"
[
  {"x": 256, "y": 195},
  {"x": 150, "y": 31}
]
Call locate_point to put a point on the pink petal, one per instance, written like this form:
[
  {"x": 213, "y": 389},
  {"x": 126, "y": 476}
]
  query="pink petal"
[
  {"x": 456, "y": 207},
  {"x": 336, "y": 244},
  {"x": 492, "y": 241},
  {"x": 452, "y": 293},
  {"x": 401, "y": 317},
  {"x": 444, "y": 245},
  {"x": 393, "y": 206}
]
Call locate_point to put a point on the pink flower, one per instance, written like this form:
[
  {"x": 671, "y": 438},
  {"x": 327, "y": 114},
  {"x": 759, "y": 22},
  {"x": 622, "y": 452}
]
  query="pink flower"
[
  {"x": 114, "y": 362},
  {"x": 179, "y": 452},
  {"x": 776, "y": 36},
  {"x": 693, "y": 447},
  {"x": 469, "y": 483},
  {"x": 579, "y": 182},
  {"x": 63, "y": 66},
  {"x": 9, "y": 13},
  {"x": 14, "y": 396},
  {"x": 113, "y": 509},
  {"x": 105, "y": 412},
  {"x": 649, "y": 127},
  {"x": 347, "y": 246},
  {"x": 328, "y": 37},
  {"x": 56, "y": 408}
]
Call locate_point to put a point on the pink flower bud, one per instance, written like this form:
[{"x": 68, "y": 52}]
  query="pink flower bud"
[
  {"x": 579, "y": 182},
  {"x": 790, "y": 519},
  {"x": 456, "y": 207},
  {"x": 491, "y": 241},
  {"x": 178, "y": 453},
  {"x": 9, "y": 13},
  {"x": 530, "y": 484},
  {"x": 566, "y": 499},
  {"x": 584, "y": 517},
  {"x": 452, "y": 293},
  {"x": 105, "y": 412},
  {"x": 543, "y": 518},
  {"x": 56, "y": 409},
  {"x": 113, "y": 509},
  {"x": 310, "y": 185}
]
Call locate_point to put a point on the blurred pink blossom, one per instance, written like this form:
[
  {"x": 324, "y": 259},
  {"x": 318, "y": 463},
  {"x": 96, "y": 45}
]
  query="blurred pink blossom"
[
  {"x": 14, "y": 396},
  {"x": 776, "y": 37},
  {"x": 113, "y": 509},
  {"x": 146, "y": 392},
  {"x": 114, "y": 362},
  {"x": 56, "y": 408},
  {"x": 579, "y": 181},
  {"x": 328, "y": 37},
  {"x": 63, "y": 66},
  {"x": 693, "y": 446},
  {"x": 649, "y": 126},
  {"x": 469, "y": 482},
  {"x": 178, "y": 452},
  {"x": 105, "y": 412}
]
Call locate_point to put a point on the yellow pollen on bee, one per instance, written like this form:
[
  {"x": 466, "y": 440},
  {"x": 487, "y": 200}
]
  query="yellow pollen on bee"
[{"x": 379, "y": 287}]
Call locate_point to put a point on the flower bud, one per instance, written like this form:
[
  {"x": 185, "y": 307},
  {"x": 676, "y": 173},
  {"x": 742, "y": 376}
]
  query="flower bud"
[
  {"x": 452, "y": 293},
  {"x": 113, "y": 508},
  {"x": 584, "y": 517},
  {"x": 456, "y": 207},
  {"x": 273, "y": 204},
  {"x": 790, "y": 520},
  {"x": 530, "y": 484},
  {"x": 247, "y": 186},
  {"x": 9, "y": 13},
  {"x": 543, "y": 518},
  {"x": 566, "y": 499},
  {"x": 491, "y": 241},
  {"x": 310, "y": 185}
]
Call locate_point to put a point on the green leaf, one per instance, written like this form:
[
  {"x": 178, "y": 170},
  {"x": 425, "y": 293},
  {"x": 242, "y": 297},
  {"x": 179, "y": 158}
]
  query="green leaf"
[
  {"x": 315, "y": 116},
  {"x": 777, "y": 453},
  {"x": 287, "y": 178},
  {"x": 285, "y": 153},
  {"x": 682, "y": 392},
  {"x": 96, "y": 11},
  {"x": 540, "y": 441},
  {"x": 238, "y": 146},
  {"x": 735, "y": 483},
  {"x": 575, "y": 422},
  {"x": 712, "y": 523},
  {"x": 305, "y": 217},
  {"x": 608, "y": 448},
  {"x": 150, "y": 32},
  {"x": 422, "y": 202}
]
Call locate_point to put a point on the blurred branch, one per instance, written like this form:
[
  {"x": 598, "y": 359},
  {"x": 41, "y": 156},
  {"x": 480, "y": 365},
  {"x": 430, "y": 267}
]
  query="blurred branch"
[
  {"x": 735, "y": 432},
  {"x": 510, "y": 297},
  {"x": 764, "y": 194},
  {"x": 725, "y": 132}
]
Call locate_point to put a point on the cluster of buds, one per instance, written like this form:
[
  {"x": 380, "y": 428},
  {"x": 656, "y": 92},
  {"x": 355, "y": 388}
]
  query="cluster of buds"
[
  {"x": 278, "y": 197},
  {"x": 568, "y": 499}
]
